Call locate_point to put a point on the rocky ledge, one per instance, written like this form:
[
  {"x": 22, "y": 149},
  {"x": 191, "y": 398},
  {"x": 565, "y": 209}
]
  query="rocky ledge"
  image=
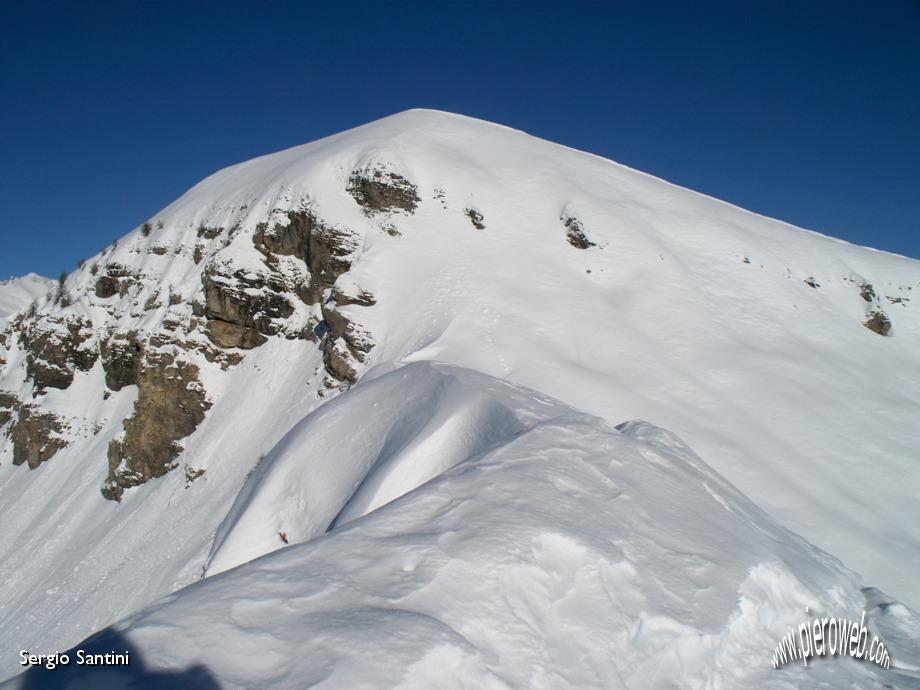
[{"x": 171, "y": 403}]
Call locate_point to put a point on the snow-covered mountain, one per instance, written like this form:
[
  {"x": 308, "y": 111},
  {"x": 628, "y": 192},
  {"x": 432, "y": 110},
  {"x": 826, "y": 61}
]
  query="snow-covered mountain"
[
  {"x": 16, "y": 294},
  {"x": 181, "y": 404}
]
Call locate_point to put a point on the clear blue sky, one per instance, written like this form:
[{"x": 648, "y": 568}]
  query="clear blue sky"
[{"x": 808, "y": 111}]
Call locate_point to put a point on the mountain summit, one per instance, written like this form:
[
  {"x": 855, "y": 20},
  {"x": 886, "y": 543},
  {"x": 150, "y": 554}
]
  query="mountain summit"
[{"x": 181, "y": 403}]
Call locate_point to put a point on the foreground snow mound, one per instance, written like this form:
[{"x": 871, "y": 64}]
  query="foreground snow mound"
[
  {"x": 354, "y": 454},
  {"x": 559, "y": 551}
]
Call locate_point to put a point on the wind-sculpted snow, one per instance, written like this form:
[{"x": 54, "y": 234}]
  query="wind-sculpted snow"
[
  {"x": 558, "y": 552},
  {"x": 356, "y": 454}
]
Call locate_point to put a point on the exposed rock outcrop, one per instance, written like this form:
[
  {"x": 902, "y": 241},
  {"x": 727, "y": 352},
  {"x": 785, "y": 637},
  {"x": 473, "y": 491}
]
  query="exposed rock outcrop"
[
  {"x": 232, "y": 335},
  {"x": 359, "y": 296},
  {"x": 243, "y": 307},
  {"x": 326, "y": 250},
  {"x": 339, "y": 361},
  {"x": 171, "y": 403},
  {"x": 243, "y": 303},
  {"x": 35, "y": 435},
  {"x": 121, "y": 358},
  {"x": 575, "y": 233},
  {"x": 345, "y": 345},
  {"x": 878, "y": 322},
  {"x": 9, "y": 403},
  {"x": 116, "y": 281},
  {"x": 56, "y": 347},
  {"x": 106, "y": 287},
  {"x": 209, "y": 233},
  {"x": 191, "y": 474},
  {"x": 379, "y": 190},
  {"x": 289, "y": 239},
  {"x": 5, "y": 337},
  {"x": 328, "y": 253},
  {"x": 476, "y": 218}
]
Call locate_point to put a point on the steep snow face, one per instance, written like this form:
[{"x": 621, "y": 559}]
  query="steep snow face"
[
  {"x": 561, "y": 552},
  {"x": 17, "y": 294},
  {"x": 744, "y": 335},
  {"x": 164, "y": 368}
]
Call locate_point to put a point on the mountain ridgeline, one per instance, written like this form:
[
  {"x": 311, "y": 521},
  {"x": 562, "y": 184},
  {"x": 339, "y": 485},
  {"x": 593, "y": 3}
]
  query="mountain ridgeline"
[
  {"x": 156, "y": 335},
  {"x": 140, "y": 394}
]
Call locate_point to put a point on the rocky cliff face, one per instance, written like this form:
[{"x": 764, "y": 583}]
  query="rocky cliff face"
[{"x": 135, "y": 311}]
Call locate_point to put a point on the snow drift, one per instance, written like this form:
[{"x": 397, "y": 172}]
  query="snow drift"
[{"x": 562, "y": 552}]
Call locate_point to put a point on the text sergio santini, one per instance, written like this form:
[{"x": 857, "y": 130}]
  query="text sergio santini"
[{"x": 52, "y": 661}]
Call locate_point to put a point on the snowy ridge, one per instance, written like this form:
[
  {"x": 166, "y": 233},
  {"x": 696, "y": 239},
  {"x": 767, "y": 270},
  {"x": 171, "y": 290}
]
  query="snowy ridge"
[
  {"x": 428, "y": 237},
  {"x": 568, "y": 554},
  {"x": 17, "y": 294}
]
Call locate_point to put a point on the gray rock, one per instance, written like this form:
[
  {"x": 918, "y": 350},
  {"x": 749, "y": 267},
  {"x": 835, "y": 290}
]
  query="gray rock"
[
  {"x": 878, "y": 322},
  {"x": 170, "y": 405},
  {"x": 378, "y": 191}
]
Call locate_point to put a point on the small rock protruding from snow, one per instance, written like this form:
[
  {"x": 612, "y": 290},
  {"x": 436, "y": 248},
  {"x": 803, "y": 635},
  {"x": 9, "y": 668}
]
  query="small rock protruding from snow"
[
  {"x": 878, "y": 322},
  {"x": 476, "y": 218},
  {"x": 575, "y": 232}
]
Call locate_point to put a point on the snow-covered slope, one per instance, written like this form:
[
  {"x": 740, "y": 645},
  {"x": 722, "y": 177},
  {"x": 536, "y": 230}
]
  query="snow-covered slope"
[
  {"x": 200, "y": 339},
  {"x": 17, "y": 294},
  {"x": 558, "y": 552}
]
